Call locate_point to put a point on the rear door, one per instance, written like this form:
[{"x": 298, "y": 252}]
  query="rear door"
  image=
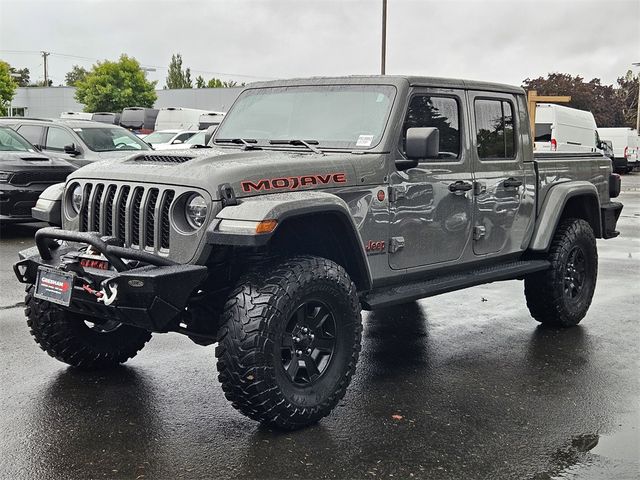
[
  {"x": 499, "y": 174},
  {"x": 431, "y": 204},
  {"x": 33, "y": 133}
]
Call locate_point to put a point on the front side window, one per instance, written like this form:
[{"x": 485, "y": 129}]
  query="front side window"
[
  {"x": 110, "y": 139},
  {"x": 332, "y": 116},
  {"x": 543, "y": 132},
  {"x": 495, "y": 134},
  {"x": 159, "y": 137},
  {"x": 441, "y": 113},
  {"x": 57, "y": 138}
]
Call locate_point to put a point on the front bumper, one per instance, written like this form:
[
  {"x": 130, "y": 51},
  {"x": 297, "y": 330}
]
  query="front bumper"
[
  {"x": 16, "y": 203},
  {"x": 152, "y": 291}
]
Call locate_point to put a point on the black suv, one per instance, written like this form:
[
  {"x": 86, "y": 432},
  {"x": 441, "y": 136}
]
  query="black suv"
[{"x": 78, "y": 141}]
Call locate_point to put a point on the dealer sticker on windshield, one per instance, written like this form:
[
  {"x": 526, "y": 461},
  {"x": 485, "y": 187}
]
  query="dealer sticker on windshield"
[
  {"x": 364, "y": 141},
  {"x": 54, "y": 286}
]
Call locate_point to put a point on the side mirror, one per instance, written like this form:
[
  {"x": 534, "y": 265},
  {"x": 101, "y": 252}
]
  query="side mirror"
[
  {"x": 209, "y": 134},
  {"x": 176, "y": 142},
  {"x": 422, "y": 143},
  {"x": 71, "y": 149}
]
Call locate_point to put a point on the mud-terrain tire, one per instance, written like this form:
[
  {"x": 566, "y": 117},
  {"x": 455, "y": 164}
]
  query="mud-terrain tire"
[
  {"x": 561, "y": 295},
  {"x": 289, "y": 341},
  {"x": 66, "y": 337}
]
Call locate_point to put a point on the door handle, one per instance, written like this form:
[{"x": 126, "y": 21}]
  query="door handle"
[
  {"x": 460, "y": 187},
  {"x": 511, "y": 183}
]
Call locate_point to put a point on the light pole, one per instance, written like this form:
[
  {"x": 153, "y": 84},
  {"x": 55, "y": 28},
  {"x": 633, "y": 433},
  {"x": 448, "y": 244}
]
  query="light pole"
[
  {"x": 637, "y": 64},
  {"x": 383, "y": 59}
]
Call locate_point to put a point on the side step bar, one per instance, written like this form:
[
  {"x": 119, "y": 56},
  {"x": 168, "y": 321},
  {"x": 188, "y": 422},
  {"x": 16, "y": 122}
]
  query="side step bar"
[{"x": 393, "y": 295}]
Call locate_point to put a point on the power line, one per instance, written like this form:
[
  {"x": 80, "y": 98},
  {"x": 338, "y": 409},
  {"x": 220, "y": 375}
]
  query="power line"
[{"x": 66, "y": 55}]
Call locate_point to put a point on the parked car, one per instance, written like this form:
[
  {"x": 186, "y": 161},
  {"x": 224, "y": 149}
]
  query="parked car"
[
  {"x": 210, "y": 119},
  {"x": 106, "y": 117},
  {"x": 605, "y": 146},
  {"x": 176, "y": 118},
  {"x": 76, "y": 116},
  {"x": 564, "y": 129},
  {"x": 25, "y": 173},
  {"x": 373, "y": 191},
  {"x": 198, "y": 140},
  {"x": 626, "y": 147},
  {"x": 78, "y": 141},
  {"x": 139, "y": 120},
  {"x": 162, "y": 139}
]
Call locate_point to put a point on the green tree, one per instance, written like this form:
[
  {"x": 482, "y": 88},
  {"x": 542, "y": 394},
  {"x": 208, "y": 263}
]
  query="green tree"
[
  {"x": 200, "y": 83},
  {"x": 112, "y": 86},
  {"x": 628, "y": 94},
  {"x": 177, "y": 77},
  {"x": 601, "y": 100},
  {"x": 76, "y": 74},
  {"x": 7, "y": 87},
  {"x": 21, "y": 76}
]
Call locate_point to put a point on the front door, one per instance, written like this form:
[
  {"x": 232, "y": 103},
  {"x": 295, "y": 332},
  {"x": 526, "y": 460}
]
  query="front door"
[
  {"x": 499, "y": 174},
  {"x": 431, "y": 205}
]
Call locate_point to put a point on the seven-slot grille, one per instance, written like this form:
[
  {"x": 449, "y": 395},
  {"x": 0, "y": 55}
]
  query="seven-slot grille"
[{"x": 137, "y": 216}]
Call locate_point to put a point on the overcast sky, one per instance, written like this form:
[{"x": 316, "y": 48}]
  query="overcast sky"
[{"x": 505, "y": 41}]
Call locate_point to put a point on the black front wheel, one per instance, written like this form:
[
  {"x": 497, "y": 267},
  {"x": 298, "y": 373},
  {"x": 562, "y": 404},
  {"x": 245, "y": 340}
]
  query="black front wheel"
[
  {"x": 82, "y": 342},
  {"x": 289, "y": 341},
  {"x": 561, "y": 296}
]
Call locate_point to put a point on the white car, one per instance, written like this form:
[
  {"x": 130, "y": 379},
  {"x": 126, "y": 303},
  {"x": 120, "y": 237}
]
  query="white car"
[
  {"x": 197, "y": 139},
  {"x": 163, "y": 139},
  {"x": 564, "y": 129}
]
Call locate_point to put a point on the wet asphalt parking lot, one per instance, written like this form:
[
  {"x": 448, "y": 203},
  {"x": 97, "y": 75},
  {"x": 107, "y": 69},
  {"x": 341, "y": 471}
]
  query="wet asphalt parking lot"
[{"x": 460, "y": 386}]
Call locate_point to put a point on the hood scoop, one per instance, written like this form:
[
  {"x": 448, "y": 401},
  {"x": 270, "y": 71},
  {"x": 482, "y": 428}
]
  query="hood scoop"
[{"x": 161, "y": 159}]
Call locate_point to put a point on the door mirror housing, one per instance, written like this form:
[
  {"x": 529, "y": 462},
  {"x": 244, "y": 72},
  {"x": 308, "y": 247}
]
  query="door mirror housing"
[
  {"x": 71, "y": 149},
  {"x": 176, "y": 142},
  {"x": 422, "y": 143}
]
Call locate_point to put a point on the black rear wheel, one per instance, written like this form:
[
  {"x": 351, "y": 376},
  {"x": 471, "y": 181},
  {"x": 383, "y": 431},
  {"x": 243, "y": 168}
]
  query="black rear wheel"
[
  {"x": 290, "y": 341},
  {"x": 561, "y": 296}
]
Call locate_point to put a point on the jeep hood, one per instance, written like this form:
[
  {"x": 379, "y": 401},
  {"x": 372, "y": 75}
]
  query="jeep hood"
[{"x": 249, "y": 172}]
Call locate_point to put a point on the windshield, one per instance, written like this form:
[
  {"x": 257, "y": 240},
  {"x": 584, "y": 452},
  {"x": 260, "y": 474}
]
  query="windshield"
[
  {"x": 10, "y": 141},
  {"x": 197, "y": 139},
  {"x": 336, "y": 116},
  {"x": 110, "y": 139},
  {"x": 159, "y": 137}
]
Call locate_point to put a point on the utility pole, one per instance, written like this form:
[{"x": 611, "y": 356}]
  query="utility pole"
[
  {"x": 384, "y": 38},
  {"x": 46, "y": 73},
  {"x": 637, "y": 64}
]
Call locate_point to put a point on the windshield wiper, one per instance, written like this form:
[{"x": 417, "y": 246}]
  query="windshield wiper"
[
  {"x": 247, "y": 142},
  {"x": 307, "y": 143}
]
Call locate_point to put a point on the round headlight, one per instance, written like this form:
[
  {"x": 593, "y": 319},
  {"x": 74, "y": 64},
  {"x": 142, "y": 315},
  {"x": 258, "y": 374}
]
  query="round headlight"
[
  {"x": 76, "y": 198},
  {"x": 196, "y": 210}
]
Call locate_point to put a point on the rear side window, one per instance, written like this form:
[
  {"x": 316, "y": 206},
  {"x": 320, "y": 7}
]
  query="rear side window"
[
  {"x": 33, "y": 133},
  {"x": 57, "y": 138},
  {"x": 439, "y": 112},
  {"x": 495, "y": 135},
  {"x": 543, "y": 132}
]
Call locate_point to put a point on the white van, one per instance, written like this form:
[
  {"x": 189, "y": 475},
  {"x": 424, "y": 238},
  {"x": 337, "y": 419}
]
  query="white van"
[
  {"x": 210, "y": 119},
  {"x": 564, "y": 129},
  {"x": 176, "y": 118},
  {"x": 76, "y": 115},
  {"x": 626, "y": 147}
]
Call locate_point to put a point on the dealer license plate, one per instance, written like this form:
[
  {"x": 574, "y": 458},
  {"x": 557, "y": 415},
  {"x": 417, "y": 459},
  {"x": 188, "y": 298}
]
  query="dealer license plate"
[{"x": 54, "y": 286}]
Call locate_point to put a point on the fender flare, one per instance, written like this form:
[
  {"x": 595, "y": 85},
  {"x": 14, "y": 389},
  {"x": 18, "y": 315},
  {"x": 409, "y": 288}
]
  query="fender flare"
[
  {"x": 553, "y": 207},
  {"x": 283, "y": 207}
]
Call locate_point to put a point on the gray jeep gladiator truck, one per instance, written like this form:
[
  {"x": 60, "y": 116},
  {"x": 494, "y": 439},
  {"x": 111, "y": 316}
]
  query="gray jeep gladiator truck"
[{"x": 319, "y": 197}]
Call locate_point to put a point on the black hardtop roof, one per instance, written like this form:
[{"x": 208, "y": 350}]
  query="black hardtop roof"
[{"x": 394, "y": 80}]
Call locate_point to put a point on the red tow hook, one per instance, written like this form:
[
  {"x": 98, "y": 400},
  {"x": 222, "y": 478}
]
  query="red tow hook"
[{"x": 91, "y": 291}]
